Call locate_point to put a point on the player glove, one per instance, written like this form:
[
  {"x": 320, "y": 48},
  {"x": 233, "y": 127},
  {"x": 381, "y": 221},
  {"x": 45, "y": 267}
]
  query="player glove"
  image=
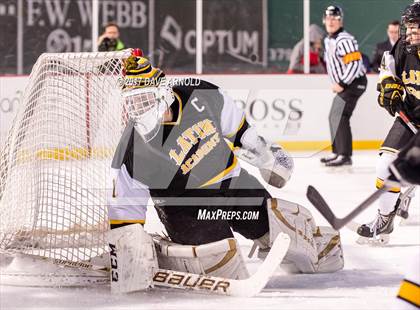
[{"x": 391, "y": 92}]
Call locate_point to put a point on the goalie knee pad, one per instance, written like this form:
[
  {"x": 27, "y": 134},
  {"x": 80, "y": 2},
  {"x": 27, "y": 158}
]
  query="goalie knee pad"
[
  {"x": 298, "y": 223},
  {"x": 330, "y": 252},
  {"x": 133, "y": 259},
  {"x": 221, "y": 258}
]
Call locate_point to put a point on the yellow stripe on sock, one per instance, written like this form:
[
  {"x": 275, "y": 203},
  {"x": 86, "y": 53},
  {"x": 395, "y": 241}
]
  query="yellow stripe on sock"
[
  {"x": 380, "y": 184},
  {"x": 410, "y": 292}
]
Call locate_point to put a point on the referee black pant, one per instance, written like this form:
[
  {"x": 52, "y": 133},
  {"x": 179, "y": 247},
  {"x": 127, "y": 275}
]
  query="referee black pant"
[{"x": 340, "y": 114}]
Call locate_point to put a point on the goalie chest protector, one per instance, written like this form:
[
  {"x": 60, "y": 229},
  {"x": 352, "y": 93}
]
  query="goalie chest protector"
[{"x": 187, "y": 153}]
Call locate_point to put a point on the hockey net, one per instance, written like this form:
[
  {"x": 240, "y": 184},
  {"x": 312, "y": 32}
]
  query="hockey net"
[{"x": 55, "y": 163}]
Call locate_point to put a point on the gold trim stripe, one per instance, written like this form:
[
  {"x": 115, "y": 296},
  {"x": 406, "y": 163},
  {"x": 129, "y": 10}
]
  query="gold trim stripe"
[
  {"x": 333, "y": 242},
  {"x": 380, "y": 183},
  {"x": 150, "y": 74},
  {"x": 141, "y": 69},
  {"x": 388, "y": 149},
  {"x": 218, "y": 177},
  {"x": 239, "y": 128},
  {"x": 317, "y": 233},
  {"x": 229, "y": 255},
  {"x": 410, "y": 292},
  {"x": 280, "y": 216},
  {"x": 117, "y": 222},
  {"x": 352, "y": 57}
]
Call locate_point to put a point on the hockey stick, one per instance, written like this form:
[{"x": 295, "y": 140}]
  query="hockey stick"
[
  {"x": 319, "y": 203},
  {"x": 407, "y": 121},
  {"x": 217, "y": 285},
  {"x": 65, "y": 273}
]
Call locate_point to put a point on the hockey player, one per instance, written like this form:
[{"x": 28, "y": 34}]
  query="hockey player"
[
  {"x": 406, "y": 169},
  {"x": 399, "y": 88},
  {"x": 180, "y": 149}
]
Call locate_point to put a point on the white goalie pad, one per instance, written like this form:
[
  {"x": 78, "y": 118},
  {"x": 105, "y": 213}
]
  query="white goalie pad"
[
  {"x": 297, "y": 222},
  {"x": 312, "y": 249},
  {"x": 330, "y": 252},
  {"x": 275, "y": 164},
  {"x": 221, "y": 258},
  {"x": 32, "y": 270},
  {"x": 133, "y": 259}
]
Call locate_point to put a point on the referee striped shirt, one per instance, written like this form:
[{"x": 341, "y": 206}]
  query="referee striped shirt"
[{"x": 343, "y": 58}]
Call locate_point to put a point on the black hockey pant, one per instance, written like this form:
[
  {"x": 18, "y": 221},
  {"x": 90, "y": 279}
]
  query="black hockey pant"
[{"x": 240, "y": 207}]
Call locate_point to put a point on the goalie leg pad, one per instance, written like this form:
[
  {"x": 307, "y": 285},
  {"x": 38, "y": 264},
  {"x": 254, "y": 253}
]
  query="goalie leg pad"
[
  {"x": 133, "y": 259},
  {"x": 221, "y": 258},
  {"x": 297, "y": 222},
  {"x": 330, "y": 252}
]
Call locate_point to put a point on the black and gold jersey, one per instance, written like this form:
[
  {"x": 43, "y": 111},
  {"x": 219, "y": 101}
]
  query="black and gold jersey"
[
  {"x": 407, "y": 67},
  {"x": 190, "y": 152}
]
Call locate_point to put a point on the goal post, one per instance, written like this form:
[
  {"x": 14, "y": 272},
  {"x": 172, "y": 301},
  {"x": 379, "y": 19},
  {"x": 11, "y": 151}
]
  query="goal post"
[{"x": 55, "y": 163}]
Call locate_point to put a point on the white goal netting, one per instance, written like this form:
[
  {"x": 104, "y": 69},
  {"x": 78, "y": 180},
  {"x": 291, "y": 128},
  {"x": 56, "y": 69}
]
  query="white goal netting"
[{"x": 55, "y": 163}]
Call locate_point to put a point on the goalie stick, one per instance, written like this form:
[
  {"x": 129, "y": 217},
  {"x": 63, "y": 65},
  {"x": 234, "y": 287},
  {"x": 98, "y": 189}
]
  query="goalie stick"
[
  {"x": 217, "y": 285},
  {"x": 65, "y": 273}
]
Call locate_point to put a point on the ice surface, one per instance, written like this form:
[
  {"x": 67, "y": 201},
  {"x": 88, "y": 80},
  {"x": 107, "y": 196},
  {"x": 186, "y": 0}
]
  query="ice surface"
[{"x": 370, "y": 279}]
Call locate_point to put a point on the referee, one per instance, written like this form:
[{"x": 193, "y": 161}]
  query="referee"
[{"x": 348, "y": 75}]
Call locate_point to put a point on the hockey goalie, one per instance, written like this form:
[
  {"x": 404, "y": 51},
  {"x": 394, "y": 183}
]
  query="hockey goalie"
[{"x": 180, "y": 149}]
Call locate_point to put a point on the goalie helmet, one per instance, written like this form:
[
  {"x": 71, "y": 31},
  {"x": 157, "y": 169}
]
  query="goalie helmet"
[
  {"x": 409, "y": 30},
  {"x": 335, "y": 11},
  {"x": 146, "y": 94}
]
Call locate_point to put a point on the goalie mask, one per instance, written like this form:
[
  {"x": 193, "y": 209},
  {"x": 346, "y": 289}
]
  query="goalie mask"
[
  {"x": 409, "y": 30},
  {"x": 147, "y": 96}
]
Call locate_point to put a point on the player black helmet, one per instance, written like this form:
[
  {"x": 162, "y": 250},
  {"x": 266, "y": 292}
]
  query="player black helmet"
[
  {"x": 410, "y": 16},
  {"x": 335, "y": 11}
]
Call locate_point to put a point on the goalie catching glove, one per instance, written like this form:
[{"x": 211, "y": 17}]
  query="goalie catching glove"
[
  {"x": 391, "y": 94},
  {"x": 274, "y": 163}
]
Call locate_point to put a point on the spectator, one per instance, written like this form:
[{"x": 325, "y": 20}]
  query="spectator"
[
  {"x": 393, "y": 34},
  {"x": 110, "y": 40},
  {"x": 316, "y": 34}
]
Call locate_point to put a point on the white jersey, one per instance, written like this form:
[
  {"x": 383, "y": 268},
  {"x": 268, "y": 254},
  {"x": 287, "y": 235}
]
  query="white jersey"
[{"x": 343, "y": 58}]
